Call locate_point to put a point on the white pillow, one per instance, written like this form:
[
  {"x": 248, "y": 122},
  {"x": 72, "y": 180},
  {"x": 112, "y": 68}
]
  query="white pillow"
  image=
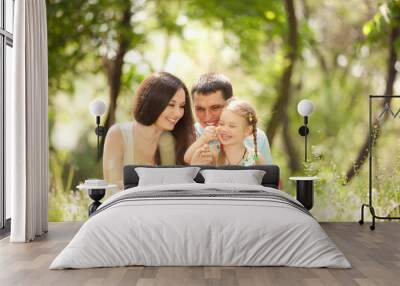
[
  {"x": 163, "y": 176},
  {"x": 249, "y": 177}
]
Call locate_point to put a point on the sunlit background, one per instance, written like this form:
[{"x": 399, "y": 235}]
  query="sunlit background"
[{"x": 335, "y": 53}]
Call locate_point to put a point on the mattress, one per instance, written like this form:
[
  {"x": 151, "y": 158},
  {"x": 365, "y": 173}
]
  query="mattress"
[{"x": 201, "y": 225}]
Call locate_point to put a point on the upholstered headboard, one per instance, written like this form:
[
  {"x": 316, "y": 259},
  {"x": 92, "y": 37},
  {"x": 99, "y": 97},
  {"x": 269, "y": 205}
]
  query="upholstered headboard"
[{"x": 270, "y": 179}]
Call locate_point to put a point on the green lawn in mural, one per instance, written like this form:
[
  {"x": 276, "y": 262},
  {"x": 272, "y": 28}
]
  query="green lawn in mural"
[{"x": 335, "y": 53}]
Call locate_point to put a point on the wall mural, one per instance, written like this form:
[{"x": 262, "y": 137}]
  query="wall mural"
[{"x": 218, "y": 83}]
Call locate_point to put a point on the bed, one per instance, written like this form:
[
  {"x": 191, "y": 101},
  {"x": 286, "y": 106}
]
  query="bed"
[{"x": 201, "y": 224}]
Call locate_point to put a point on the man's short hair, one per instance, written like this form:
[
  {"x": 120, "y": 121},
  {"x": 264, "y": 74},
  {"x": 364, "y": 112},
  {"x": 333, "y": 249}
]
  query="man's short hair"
[{"x": 213, "y": 82}]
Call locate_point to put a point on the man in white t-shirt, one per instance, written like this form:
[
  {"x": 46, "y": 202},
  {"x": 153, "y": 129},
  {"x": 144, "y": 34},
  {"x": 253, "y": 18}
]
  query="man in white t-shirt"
[{"x": 210, "y": 94}]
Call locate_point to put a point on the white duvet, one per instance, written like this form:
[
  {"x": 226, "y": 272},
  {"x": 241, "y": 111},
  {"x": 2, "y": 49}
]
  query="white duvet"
[{"x": 183, "y": 231}]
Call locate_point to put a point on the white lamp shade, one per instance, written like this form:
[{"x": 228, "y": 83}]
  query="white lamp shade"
[
  {"x": 97, "y": 107},
  {"x": 305, "y": 107}
]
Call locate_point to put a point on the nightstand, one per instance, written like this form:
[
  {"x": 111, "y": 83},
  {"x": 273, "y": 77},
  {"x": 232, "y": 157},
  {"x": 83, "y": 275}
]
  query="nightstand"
[
  {"x": 305, "y": 190},
  {"x": 96, "y": 191}
]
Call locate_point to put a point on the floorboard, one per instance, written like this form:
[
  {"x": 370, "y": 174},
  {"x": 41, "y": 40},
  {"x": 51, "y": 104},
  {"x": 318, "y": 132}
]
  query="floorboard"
[{"x": 374, "y": 255}]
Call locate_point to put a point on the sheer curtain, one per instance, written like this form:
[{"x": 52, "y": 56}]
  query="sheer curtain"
[{"x": 27, "y": 123}]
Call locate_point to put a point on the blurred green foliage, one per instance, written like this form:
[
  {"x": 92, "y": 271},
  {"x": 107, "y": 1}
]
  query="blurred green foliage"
[{"x": 343, "y": 51}]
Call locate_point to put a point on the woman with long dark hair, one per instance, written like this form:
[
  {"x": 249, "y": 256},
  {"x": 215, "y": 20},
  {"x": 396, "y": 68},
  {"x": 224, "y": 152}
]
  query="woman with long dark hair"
[{"x": 159, "y": 135}]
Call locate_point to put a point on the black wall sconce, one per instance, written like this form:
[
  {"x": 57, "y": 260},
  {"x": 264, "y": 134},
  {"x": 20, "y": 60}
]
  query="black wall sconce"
[
  {"x": 305, "y": 108},
  {"x": 98, "y": 108}
]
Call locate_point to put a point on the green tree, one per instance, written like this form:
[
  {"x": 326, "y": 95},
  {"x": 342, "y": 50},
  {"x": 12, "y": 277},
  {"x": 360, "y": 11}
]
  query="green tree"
[
  {"x": 382, "y": 31},
  {"x": 97, "y": 39},
  {"x": 261, "y": 26}
]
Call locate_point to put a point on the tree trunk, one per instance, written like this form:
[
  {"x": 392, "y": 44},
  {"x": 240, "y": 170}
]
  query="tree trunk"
[
  {"x": 292, "y": 155},
  {"x": 113, "y": 70},
  {"x": 376, "y": 124},
  {"x": 279, "y": 109}
]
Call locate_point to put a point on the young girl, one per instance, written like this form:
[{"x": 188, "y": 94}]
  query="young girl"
[{"x": 238, "y": 120}]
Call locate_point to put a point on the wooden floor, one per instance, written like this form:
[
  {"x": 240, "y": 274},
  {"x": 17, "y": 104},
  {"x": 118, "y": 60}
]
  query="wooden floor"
[{"x": 374, "y": 255}]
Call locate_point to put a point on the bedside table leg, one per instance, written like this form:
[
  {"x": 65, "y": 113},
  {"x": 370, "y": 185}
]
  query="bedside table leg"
[
  {"x": 305, "y": 193},
  {"x": 93, "y": 207},
  {"x": 96, "y": 195}
]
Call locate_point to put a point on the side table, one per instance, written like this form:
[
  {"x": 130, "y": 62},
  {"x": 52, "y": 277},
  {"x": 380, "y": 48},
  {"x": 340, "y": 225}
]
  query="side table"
[
  {"x": 305, "y": 190},
  {"x": 96, "y": 192}
]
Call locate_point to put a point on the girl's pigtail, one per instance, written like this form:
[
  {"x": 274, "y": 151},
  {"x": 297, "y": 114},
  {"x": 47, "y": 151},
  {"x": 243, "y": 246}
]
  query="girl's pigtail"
[
  {"x": 253, "y": 122},
  {"x": 255, "y": 141}
]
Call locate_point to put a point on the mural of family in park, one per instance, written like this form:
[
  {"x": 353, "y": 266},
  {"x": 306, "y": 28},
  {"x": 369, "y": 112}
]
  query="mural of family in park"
[
  {"x": 164, "y": 131},
  {"x": 208, "y": 82}
]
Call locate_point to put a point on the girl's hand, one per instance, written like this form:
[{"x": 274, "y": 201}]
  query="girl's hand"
[
  {"x": 218, "y": 131},
  {"x": 209, "y": 134},
  {"x": 202, "y": 156}
]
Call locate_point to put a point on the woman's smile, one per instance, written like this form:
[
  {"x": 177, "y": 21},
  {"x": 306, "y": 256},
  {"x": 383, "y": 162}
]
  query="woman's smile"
[
  {"x": 173, "y": 112},
  {"x": 172, "y": 120}
]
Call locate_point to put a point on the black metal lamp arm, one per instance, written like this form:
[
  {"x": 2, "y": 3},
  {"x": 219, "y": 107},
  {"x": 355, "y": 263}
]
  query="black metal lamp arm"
[
  {"x": 304, "y": 131},
  {"x": 100, "y": 131}
]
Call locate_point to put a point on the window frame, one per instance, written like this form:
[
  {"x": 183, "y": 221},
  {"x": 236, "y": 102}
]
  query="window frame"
[{"x": 6, "y": 39}]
